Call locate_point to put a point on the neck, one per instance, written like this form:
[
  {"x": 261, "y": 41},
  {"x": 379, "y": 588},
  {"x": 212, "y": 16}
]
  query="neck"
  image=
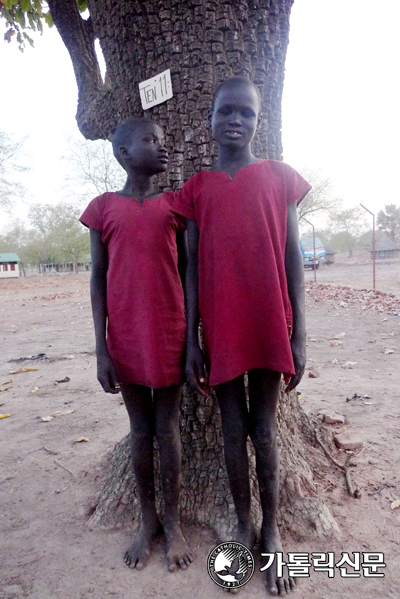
[
  {"x": 234, "y": 157},
  {"x": 139, "y": 184}
]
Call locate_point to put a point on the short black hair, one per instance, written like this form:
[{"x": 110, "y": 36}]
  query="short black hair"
[
  {"x": 124, "y": 131},
  {"x": 236, "y": 80}
]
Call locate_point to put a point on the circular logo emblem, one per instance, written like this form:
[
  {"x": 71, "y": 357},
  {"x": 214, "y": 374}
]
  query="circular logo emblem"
[{"x": 230, "y": 565}]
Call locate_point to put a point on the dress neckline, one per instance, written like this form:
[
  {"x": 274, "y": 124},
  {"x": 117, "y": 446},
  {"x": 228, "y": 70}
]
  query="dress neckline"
[
  {"x": 137, "y": 199},
  {"x": 238, "y": 171}
]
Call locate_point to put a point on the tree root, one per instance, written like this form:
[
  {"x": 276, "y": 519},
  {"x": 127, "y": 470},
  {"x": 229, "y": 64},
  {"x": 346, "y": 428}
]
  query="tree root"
[{"x": 353, "y": 491}]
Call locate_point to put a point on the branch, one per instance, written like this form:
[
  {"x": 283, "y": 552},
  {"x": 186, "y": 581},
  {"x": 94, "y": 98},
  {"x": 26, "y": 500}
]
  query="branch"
[{"x": 78, "y": 37}]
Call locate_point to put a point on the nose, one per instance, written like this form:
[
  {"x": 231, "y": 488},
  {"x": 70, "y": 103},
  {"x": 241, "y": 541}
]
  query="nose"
[{"x": 234, "y": 118}]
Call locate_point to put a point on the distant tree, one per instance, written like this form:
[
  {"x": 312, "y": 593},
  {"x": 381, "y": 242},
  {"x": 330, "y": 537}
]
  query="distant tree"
[
  {"x": 92, "y": 169},
  {"x": 321, "y": 200},
  {"x": 347, "y": 226},
  {"x": 10, "y": 153},
  {"x": 58, "y": 235},
  {"x": 389, "y": 220},
  {"x": 343, "y": 242}
]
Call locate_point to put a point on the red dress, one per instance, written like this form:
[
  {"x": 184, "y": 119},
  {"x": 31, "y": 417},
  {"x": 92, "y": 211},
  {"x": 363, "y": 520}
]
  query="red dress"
[
  {"x": 146, "y": 322},
  {"x": 243, "y": 297}
]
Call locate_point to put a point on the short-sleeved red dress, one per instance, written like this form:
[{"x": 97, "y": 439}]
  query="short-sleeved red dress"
[
  {"x": 145, "y": 305},
  {"x": 243, "y": 296}
]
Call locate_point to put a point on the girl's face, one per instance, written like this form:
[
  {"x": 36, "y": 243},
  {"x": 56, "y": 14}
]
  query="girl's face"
[
  {"x": 235, "y": 115},
  {"x": 146, "y": 151}
]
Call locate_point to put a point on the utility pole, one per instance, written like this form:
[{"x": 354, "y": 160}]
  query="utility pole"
[{"x": 373, "y": 244}]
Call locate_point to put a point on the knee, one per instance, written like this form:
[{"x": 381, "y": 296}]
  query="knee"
[
  {"x": 141, "y": 433},
  {"x": 263, "y": 437},
  {"x": 167, "y": 433},
  {"x": 235, "y": 435}
]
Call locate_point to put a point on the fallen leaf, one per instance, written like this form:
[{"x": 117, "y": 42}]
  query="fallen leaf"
[
  {"x": 335, "y": 361},
  {"x": 350, "y": 364},
  {"x": 81, "y": 440},
  {"x": 395, "y": 504},
  {"x": 70, "y": 357},
  {"x": 46, "y": 418},
  {"x": 64, "y": 380},
  {"x": 313, "y": 374},
  {"x": 335, "y": 342},
  {"x": 1, "y": 404},
  {"x": 7, "y": 382},
  {"x": 63, "y": 413},
  {"x": 4, "y": 387},
  {"x": 389, "y": 351},
  {"x": 34, "y": 389},
  {"x": 21, "y": 370},
  {"x": 6, "y": 415}
]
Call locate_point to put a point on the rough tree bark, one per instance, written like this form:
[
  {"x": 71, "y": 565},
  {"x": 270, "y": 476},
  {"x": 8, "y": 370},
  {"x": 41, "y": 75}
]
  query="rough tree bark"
[{"x": 202, "y": 42}]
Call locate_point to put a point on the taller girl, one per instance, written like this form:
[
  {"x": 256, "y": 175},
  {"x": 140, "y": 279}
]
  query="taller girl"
[{"x": 245, "y": 280}]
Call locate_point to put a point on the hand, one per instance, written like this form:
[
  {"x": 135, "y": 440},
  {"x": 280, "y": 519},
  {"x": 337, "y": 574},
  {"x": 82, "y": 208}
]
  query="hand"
[
  {"x": 106, "y": 373},
  {"x": 299, "y": 358},
  {"x": 195, "y": 369}
]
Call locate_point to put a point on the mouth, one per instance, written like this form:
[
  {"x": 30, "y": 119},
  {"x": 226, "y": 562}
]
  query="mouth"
[
  {"x": 233, "y": 134},
  {"x": 163, "y": 158}
]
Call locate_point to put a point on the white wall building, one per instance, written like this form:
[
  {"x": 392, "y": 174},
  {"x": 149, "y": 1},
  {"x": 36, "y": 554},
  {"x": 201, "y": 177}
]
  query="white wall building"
[{"x": 9, "y": 267}]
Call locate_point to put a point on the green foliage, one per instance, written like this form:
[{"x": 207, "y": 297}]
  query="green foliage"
[
  {"x": 343, "y": 241},
  {"x": 352, "y": 221},
  {"x": 23, "y": 17},
  {"x": 54, "y": 234},
  {"x": 389, "y": 220}
]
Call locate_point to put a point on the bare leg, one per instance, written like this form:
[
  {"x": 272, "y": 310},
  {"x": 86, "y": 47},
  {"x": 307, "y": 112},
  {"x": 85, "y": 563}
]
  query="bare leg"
[
  {"x": 166, "y": 410},
  {"x": 263, "y": 395},
  {"x": 139, "y": 404},
  {"x": 232, "y": 402}
]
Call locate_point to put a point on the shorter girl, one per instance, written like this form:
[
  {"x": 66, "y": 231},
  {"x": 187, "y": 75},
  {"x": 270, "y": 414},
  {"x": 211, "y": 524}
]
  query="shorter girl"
[
  {"x": 245, "y": 280},
  {"x": 138, "y": 313}
]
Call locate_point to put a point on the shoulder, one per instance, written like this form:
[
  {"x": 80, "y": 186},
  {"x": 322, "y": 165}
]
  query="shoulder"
[
  {"x": 101, "y": 200},
  {"x": 170, "y": 196},
  {"x": 194, "y": 180},
  {"x": 276, "y": 167}
]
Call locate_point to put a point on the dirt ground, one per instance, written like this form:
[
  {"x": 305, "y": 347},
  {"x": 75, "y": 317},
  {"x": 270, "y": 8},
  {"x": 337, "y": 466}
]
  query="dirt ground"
[{"x": 47, "y": 479}]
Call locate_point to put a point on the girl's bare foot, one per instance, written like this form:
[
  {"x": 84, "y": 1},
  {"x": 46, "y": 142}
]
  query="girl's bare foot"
[
  {"x": 271, "y": 543},
  {"x": 179, "y": 554},
  {"x": 138, "y": 553},
  {"x": 246, "y": 534}
]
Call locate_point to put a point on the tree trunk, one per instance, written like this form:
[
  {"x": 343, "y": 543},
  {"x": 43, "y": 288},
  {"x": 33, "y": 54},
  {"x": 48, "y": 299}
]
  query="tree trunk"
[
  {"x": 202, "y": 42},
  {"x": 206, "y": 497}
]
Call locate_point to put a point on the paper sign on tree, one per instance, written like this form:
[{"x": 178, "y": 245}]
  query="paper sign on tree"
[{"x": 156, "y": 90}]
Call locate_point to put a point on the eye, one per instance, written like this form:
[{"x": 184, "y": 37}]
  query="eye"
[
  {"x": 224, "y": 110},
  {"x": 248, "y": 113}
]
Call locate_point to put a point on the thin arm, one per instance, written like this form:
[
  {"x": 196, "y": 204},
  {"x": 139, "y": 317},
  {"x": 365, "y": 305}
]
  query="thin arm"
[
  {"x": 295, "y": 280},
  {"x": 194, "y": 358},
  {"x": 181, "y": 243},
  {"x": 192, "y": 283},
  {"x": 98, "y": 289}
]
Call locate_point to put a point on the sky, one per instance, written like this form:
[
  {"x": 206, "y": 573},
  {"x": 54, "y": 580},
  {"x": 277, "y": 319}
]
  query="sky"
[{"x": 340, "y": 108}]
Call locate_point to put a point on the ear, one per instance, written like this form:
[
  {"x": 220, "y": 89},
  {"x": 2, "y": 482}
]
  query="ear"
[
  {"x": 123, "y": 152},
  {"x": 259, "y": 119},
  {"x": 209, "y": 117}
]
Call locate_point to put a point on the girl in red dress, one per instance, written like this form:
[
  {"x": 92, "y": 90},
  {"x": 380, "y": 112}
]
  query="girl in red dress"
[
  {"x": 245, "y": 280},
  {"x": 139, "y": 320}
]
